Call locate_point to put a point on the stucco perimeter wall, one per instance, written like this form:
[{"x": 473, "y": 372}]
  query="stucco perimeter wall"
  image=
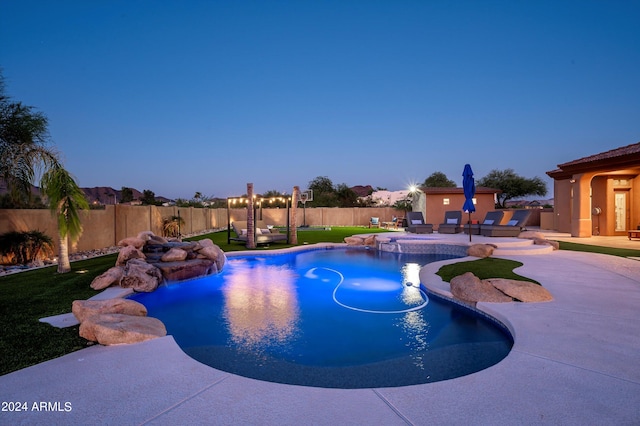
[{"x": 104, "y": 228}]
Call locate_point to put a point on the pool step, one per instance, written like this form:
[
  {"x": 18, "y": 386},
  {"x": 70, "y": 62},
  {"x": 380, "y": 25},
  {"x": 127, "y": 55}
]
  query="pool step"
[{"x": 520, "y": 246}]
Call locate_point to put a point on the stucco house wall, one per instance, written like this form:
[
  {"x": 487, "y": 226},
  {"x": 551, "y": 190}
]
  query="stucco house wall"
[{"x": 587, "y": 185}]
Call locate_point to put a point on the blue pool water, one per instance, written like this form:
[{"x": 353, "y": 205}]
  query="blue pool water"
[{"x": 338, "y": 318}]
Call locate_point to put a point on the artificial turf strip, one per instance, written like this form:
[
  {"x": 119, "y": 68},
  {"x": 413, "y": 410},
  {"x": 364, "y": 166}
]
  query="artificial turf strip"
[
  {"x": 622, "y": 252},
  {"x": 488, "y": 267},
  {"x": 307, "y": 236},
  {"x": 27, "y": 296}
]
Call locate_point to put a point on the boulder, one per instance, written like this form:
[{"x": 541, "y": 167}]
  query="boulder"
[
  {"x": 114, "y": 329},
  {"x": 214, "y": 253},
  {"x": 354, "y": 241},
  {"x": 83, "y": 309},
  {"x": 186, "y": 269},
  {"x": 127, "y": 253},
  {"x": 186, "y": 245},
  {"x": 158, "y": 239},
  {"x": 370, "y": 241},
  {"x": 205, "y": 242},
  {"x": 141, "y": 276},
  {"x": 543, "y": 242},
  {"x": 145, "y": 235},
  {"x": 109, "y": 277},
  {"x": 132, "y": 241},
  {"x": 469, "y": 288},
  {"x": 531, "y": 235},
  {"x": 523, "y": 291},
  {"x": 480, "y": 250},
  {"x": 174, "y": 255}
]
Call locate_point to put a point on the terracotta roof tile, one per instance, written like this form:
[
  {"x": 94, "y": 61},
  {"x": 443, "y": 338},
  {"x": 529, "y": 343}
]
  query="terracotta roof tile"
[{"x": 618, "y": 152}]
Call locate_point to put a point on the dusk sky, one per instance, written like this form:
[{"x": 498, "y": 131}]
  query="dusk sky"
[{"x": 186, "y": 96}]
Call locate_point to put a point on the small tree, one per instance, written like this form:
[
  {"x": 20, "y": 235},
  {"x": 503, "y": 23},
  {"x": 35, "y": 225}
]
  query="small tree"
[
  {"x": 65, "y": 200},
  {"x": 148, "y": 197},
  {"x": 126, "y": 195},
  {"x": 438, "y": 180},
  {"x": 23, "y": 147},
  {"x": 512, "y": 185},
  {"x": 346, "y": 196},
  {"x": 403, "y": 204}
]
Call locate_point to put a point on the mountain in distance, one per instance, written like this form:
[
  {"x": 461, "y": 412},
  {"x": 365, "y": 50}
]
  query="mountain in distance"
[
  {"x": 108, "y": 195},
  {"x": 98, "y": 194}
]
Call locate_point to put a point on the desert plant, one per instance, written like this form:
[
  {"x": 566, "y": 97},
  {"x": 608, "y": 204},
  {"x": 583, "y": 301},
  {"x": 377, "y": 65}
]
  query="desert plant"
[
  {"x": 171, "y": 226},
  {"x": 25, "y": 247},
  {"x": 65, "y": 199}
]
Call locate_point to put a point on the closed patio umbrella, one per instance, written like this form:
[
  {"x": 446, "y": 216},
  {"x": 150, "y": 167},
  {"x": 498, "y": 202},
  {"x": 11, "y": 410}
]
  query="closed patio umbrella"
[{"x": 469, "y": 187}]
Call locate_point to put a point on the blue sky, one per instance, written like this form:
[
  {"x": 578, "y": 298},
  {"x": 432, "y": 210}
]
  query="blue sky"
[{"x": 186, "y": 96}]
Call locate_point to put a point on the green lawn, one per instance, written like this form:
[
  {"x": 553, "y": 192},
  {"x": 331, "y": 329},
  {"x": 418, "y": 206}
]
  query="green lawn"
[
  {"x": 489, "y": 267},
  {"x": 622, "y": 252},
  {"x": 28, "y": 296}
]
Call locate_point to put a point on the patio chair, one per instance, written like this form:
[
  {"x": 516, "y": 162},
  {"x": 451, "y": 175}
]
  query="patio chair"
[
  {"x": 491, "y": 218},
  {"x": 374, "y": 222},
  {"x": 416, "y": 225},
  {"x": 452, "y": 223},
  {"x": 512, "y": 228},
  {"x": 264, "y": 233}
]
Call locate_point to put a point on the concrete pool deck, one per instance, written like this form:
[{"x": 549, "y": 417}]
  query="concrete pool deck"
[{"x": 576, "y": 360}]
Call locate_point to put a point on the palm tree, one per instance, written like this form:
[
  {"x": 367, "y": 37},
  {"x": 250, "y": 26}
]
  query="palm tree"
[
  {"x": 23, "y": 146},
  {"x": 65, "y": 200}
]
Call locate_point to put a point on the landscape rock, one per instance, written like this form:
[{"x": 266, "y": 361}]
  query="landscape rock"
[
  {"x": 214, "y": 253},
  {"x": 523, "y": 291},
  {"x": 531, "y": 235},
  {"x": 132, "y": 241},
  {"x": 83, "y": 309},
  {"x": 109, "y": 277},
  {"x": 370, "y": 241},
  {"x": 354, "y": 241},
  {"x": 186, "y": 269},
  {"x": 174, "y": 255},
  {"x": 469, "y": 288},
  {"x": 141, "y": 276},
  {"x": 543, "y": 242},
  {"x": 205, "y": 242},
  {"x": 145, "y": 235},
  {"x": 115, "y": 329},
  {"x": 480, "y": 250},
  {"x": 127, "y": 253}
]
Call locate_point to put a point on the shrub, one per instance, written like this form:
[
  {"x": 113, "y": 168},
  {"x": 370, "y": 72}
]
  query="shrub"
[
  {"x": 171, "y": 226},
  {"x": 25, "y": 247}
]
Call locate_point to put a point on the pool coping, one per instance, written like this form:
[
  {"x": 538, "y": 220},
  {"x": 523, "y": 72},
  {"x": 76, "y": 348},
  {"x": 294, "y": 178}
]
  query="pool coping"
[{"x": 574, "y": 361}]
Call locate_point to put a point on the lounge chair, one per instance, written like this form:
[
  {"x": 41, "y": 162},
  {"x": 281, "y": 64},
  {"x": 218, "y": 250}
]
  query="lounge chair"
[
  {"x": 452, "y": 223},
  {"x": 512, "y": 228},
  {"x": 374, "y": 222},
  {"x": 264, "y": 234},
  {"x": 416, "y": 225},
  {"x": 491, "y": 218}
]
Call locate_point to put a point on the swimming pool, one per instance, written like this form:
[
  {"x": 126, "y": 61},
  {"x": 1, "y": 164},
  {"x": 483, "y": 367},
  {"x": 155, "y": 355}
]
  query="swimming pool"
[{"x": 336, "y": 318}]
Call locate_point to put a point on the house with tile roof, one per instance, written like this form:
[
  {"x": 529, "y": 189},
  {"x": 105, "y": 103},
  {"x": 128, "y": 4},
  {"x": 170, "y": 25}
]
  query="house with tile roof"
[{"x": 598, "y": 194}]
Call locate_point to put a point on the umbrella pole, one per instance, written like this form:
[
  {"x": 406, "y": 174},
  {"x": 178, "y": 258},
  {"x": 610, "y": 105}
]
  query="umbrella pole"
[{"x": 469, "y": 226}]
